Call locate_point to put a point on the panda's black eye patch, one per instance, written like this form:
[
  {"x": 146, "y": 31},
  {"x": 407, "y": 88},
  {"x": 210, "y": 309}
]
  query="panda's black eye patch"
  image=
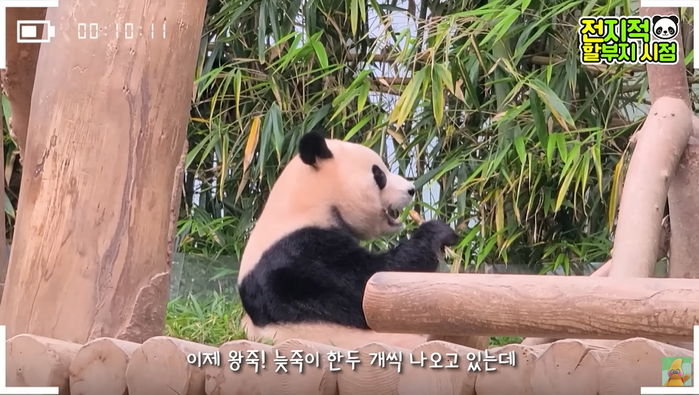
[{"x": 379, "y": 176}]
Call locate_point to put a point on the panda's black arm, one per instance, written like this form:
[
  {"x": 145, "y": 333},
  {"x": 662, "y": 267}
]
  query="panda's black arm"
[
  {"x": 421, "y": 252},
  {"x": 342, "y": 254}
]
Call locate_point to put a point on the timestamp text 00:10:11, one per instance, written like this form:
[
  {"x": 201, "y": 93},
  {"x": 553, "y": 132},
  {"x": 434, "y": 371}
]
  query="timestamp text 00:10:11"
[{"x": 93, "y": 31}]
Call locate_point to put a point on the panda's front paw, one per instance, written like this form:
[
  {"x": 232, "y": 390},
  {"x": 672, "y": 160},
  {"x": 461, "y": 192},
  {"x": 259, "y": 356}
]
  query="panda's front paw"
[{"x": 439, "y": 232}]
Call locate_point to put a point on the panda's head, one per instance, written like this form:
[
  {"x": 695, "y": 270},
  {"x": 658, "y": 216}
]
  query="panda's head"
[
  {"x": 665, "y": 27},
  {"x": 351, "y": 183}
]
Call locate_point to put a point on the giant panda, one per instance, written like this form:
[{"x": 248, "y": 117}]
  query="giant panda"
[{"x": 303, "y": 272}]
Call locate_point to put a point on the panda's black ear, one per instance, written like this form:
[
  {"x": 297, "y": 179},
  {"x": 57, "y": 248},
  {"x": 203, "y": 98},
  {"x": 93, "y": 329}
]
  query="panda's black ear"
[
  {"x": 313, "y": 147},
  {"x": 656, "y": 18},
  {"x": 675, "y": 19}
]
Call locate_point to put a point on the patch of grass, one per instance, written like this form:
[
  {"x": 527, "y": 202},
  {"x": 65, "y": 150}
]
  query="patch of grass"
[
  {"x": 210, "y": 319},
  {"x": 497, "y": 341}
]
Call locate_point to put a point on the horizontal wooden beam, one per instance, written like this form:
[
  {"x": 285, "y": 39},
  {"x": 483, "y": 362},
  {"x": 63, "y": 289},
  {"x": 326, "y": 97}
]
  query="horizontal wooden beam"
[{"x": 531, "y": 305}]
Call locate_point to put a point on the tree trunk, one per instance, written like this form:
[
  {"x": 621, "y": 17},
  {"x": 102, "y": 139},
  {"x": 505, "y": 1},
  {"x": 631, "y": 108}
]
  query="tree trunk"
[
  {"x": 661, "y": 141},
  {"x": 4, "y": 251},
  {"x": 90, "y": 252},
  {"x": 17, "y": 84},
  {"x": 683, "y": 194},
  {"x": 18, "y": 78},
  {"x": 683, "y": 198}
]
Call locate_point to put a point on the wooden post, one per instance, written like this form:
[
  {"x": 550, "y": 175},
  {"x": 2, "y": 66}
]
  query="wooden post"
[
  {"x": 661, "y": 141},
  {"x": 554, "y": 369},
  {"x": 35, "y": 361},
  {"x": 585, "y": 378},
  {"x": 511, "y": 379},
  {"x": 432, "y": 374},
  {"x": 238, "y": 374},
  {"x": 684, "y": 210},
  {"x": 369, "y": 377},
  {"x": 530, "y": 305},
  {"x": 4, "y": 248},
  {"x": 665, "y": 80},
  {"x": 163, "y": 364},
  {"x": 100, "y": 367},
  {"x": 312, "y": 380},
  {"x": 106, "y": 133}
]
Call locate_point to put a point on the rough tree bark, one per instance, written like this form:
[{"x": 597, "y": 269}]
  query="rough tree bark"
[
  {"x": 683, "y": 195},
  {"x": 90, "y": 251},
  {"x": 18, "y": 77}
]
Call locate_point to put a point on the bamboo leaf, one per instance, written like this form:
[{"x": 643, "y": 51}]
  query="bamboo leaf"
[
  {"x": 251, "y": 143},
  {"x": 553, "y": 102},
  {"x": 615, "y": 190},
  {"x": 483, "y": 252},
  {"x": 407, "y": 99},
  {"x": 362, "y": 96},
  {"x": 499, "y": 217},
  {"x": 445, "y": 76},
  {"x": 563, "y": 190},
  {"x": 320, "y": 52},
  {"x": 538, "y": 115},
  {"x": 437, "y": 98},
  {"x": 521, "y": 151}
]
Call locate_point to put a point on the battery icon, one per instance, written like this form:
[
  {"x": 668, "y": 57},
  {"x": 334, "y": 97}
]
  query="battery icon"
[{"x": 30, "y": 31}]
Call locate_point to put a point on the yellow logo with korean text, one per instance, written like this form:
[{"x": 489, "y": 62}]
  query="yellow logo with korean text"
[{"x": 630, "y": 40}]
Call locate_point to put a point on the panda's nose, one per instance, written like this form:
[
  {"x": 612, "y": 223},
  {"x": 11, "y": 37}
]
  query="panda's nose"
[{"x": 411, "y": 191}]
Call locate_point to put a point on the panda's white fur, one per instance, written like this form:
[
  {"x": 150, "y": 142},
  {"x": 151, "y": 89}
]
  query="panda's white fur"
[{"x": 330, "y": 189}]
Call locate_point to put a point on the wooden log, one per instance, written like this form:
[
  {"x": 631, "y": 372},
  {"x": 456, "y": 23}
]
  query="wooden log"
[
  {"x": 508, "y": 379},
  {"x": 554, "y": 369},
  {"x": 586, "y": 375},
  {"x": 635, "y": 363},
  {"x": 239, "y": 374},
  {"x": 308, "y": 377},
  {"x": 529, "y": 305},
  {"x": 100, "y": 367},
  {"x": 463, "y": 339},
  {"x": 424, "y": 376},
  {"x": 106, "y": 130},
  {"x": 369, "y": 377},
  {"x": 36, "y": 361},
  {"x": 602, "y": 271},
  {"x": 164, "y": 365}
]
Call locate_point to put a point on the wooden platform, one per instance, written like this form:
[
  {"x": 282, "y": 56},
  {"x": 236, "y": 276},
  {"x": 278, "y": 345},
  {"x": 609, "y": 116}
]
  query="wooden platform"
[{"x": 164, "y": 365}]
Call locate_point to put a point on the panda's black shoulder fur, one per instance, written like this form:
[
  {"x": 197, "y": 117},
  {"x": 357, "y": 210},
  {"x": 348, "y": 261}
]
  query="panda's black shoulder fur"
[{"x": 319, "y": 275}]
